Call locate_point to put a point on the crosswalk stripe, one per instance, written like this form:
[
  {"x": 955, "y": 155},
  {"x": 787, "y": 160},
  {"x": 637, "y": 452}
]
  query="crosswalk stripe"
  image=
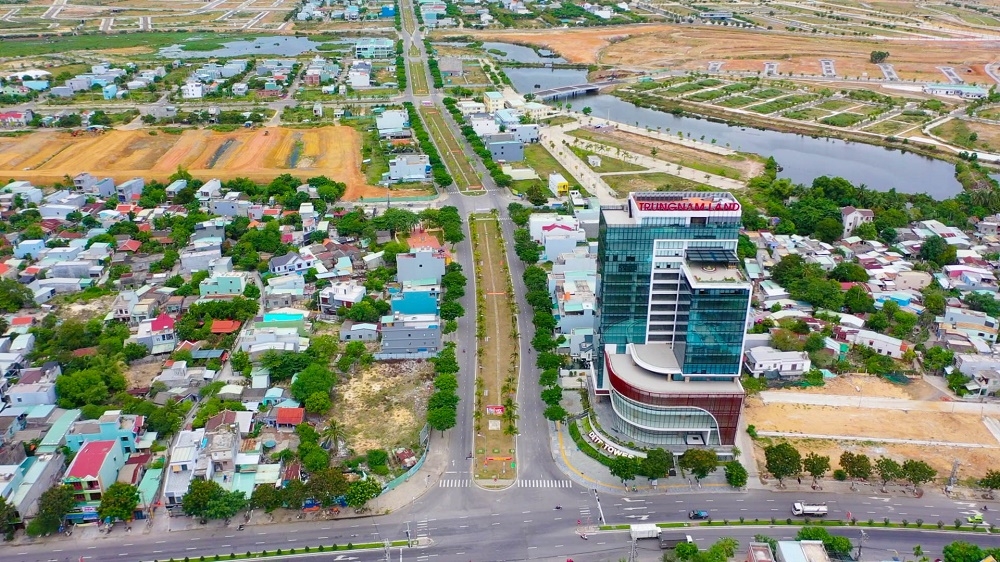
[{"x": 531, "y": 483}]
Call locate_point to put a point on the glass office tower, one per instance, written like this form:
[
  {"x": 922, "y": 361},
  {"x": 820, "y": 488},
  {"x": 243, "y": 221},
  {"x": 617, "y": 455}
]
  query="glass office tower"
[{"x": 672, "y": 315}]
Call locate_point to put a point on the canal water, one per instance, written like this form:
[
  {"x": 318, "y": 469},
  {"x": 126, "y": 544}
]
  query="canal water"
[
  {"x": 802, "y": 158},
  {"x": 275, "y": 46}
]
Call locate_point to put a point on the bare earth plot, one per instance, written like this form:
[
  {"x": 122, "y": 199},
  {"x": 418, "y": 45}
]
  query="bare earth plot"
[
  {"x": 259, "y": 155},
  {"x": 384, "y": 405},
  {"x": 879, "y": 432},
  {"x": 687, "y": 47}
]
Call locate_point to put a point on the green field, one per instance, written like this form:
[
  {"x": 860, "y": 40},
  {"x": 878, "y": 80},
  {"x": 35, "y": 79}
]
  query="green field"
[
  {"x": 451, "y": 151},
  {"x": 628, "y": 183},
  {"x": 834, "y": 105},
  {"x": 810, "y": 114},
  {"x": 538, "y": 158},
  {"x": 418, "y": 78},
  {"x": 843, "y": 119},
  {"x": 781, "y": 103},
  {"x": 737, "y": 101}
]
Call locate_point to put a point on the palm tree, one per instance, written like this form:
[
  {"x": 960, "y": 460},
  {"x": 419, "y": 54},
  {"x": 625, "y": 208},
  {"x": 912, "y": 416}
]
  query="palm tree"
[{"x": 332, "y": 435}]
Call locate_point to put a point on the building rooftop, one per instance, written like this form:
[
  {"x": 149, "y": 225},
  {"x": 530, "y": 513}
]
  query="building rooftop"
[
  {"x": 87, "y": 463},
  {"x": 647, "y": 367}
]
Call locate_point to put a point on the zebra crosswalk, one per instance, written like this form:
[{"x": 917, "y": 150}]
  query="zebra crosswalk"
[
  {"x": 455, "y": 483},
  {"x": 523, "y": 483},
  {"x": 526, "y": 483}
]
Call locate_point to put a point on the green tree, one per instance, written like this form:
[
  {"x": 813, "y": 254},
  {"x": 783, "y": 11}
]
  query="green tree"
[
  {"x": 938, "y": 251},
  {"x": 252, "y": 291},
  {"x": 555, "y": 412},
  {"x": 829, "y": 230},
  {"x": 267, "y": 498},
  {"x": 8, "y": 518},
  {"x": 858, "y": 301},
  {"x": 816, "y": 465},
  {"x": 961, "y": 551},
  {"x": 917, "y": 472},
  {"x": 991, "y": 481},
  {"x": 326, "y": 485},
  {"x": 536, "y": 195},
  {"x": 701, "y": 462},
  {"x": 849, "y": 272},
  {"x": 53, "y": 505},
  {"x": 200, "y": 494},
  {"x": 938, "y": 358},
  {"x": 877, "y": 57},
  {"x": 318, "y": 403},
  {"x": 888, "y": 470},
  {"x": 624, "y": 468},
  {"x": 360, "y": 492},
  {"x": 866, "y": 231},
  {"x": 656, "y": 464},
  {"x": 736, "y": 474},
  {"x": 134, "y": 351},
  {"x": 782, "y": 460},
  {"x": 877, "y": 322},
  {"x": 118, "y": 502},
  {"x": 857, "y": 466},
  {"x": 442, "y": 419},
  {"x": 226, "y": 505},
  {"x": 14, "y": 296}
]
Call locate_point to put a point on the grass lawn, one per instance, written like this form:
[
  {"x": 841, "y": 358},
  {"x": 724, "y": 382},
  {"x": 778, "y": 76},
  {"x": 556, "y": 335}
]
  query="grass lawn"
[
  {"x": 835, "y": 105},
  {"x": 810, "y": 114},
  {"x": 418, "y": 78},
  {"x": 843, "y": 119},
  {"x": 498, "y": 359},
  {"x": 767, "y": 93},
  {"x": 889, "y": 127},
  {"x": 451, "y": 151},
  {"x": 781, "y": 103},
  {"x": 608, "y": 164},
  {"x": 627, "y": 183},
  {"x": 543, "y": 163},
  {"x": 970, "y": 134},
  {"x": 558, "y": 120},
  {"x": 737, "y": 101}
]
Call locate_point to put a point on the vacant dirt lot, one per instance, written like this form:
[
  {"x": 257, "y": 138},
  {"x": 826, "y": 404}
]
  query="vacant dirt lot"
[
  {"x": 384, "y": 405},
  {"x": 259, "y": 155},
  {"x": 866, "y": 385},
  {"x": 669, "y": 46}
]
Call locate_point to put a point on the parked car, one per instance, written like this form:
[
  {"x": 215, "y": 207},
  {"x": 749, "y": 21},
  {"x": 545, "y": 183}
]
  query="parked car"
[{"x": 698, "y": 514}]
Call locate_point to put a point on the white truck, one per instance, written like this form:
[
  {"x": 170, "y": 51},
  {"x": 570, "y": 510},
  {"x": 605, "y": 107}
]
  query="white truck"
[
  {"x": 644, "y": 531},
  {"x": 809, "y": 509},
  {"x": 673, "y": 541}
]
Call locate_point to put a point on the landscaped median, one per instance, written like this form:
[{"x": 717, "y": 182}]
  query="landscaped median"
[
  {"x": 285, "y": 552},
  {"x": 958, "y": 526}
]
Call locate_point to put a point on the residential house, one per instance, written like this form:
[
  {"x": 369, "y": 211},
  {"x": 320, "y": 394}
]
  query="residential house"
[
  {"x": 880, "y": 343},
  {"x": 199, "y": 260},
  {"x": 451, "y": 66},
  {"x": 374, "y": 48},
  {"x": 853, "y": 218},
  {"x": 409, "y": 168},
  {"x": 767, "y": 361},
  {"x": 192, "y": 90},
  {"x": 410, "y": 335},
  {"x": 257, "y": 340},
  {"x": 483, "y": 124},
  {"x": 575, "y": 300},
  {"x": 94, "y": 468},
  {"x": 180, "y": 471},
  {"x": 16, "y": 119},
  {"x": 504, "y": 148},
  {"x": 32, "y": 394},
  {"x": 420, "y": 265},
  {"x": 208, "y": 191},
  {"x": 494, "y": 101},
  {"x": 558, "y": 184},
  {"x": 156, "y": 334},
  {"x": 29, "y": 249},
  {"x": 358, "y": 331},
  {"x": 225, "y": 284},
  {"x": 130, "y": 190},
  {"x": 291, "y": 263},
  {"x": 124, "y": 429},
  {"x": 338, "y": 294},
  {"x": 417, "y": 297},
  {"x": 392, "y": 122}
]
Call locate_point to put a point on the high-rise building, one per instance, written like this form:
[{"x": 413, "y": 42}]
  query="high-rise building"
[{"x": 672, "y": 316}]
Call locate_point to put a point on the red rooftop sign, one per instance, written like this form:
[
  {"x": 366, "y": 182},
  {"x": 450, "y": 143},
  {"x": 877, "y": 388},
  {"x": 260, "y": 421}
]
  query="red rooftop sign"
[{"x": 687, "y": 206}]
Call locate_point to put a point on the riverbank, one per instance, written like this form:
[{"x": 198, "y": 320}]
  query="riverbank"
[{"x": 737, "y": 118}]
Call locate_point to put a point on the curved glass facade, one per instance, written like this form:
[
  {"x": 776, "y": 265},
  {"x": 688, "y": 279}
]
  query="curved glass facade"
[{"x": 668, "y": 417}]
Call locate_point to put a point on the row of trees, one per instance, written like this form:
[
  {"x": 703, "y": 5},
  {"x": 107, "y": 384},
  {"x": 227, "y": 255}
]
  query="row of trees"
[
  {"x": 438, "y": 169},
  {"x": 499, "y": 177},
  {"x": 783, "y": 460},
  {"x": 442, "y": 407}
]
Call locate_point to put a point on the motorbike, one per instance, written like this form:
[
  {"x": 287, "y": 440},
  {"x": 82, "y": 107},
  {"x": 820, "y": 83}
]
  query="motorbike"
[
  {"x": 584, "y": 537},
  {"x": 240, "y": 528},
  {"x": 558, "y": 507}
]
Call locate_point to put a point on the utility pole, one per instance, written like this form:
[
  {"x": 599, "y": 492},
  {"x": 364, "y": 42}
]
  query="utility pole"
[
  {"x": 864, "y": 537},
  {"x": 633, "y": 554}
]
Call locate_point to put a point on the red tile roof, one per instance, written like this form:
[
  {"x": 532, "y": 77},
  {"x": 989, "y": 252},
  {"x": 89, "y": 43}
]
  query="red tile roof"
[
  {"x": 88, "y": 462},
  {"x": 225, "y": 326},
  {"x": 130, "y": 246},
  {"x": 22, "y": 321},
  {"x": 145, "y": 227},
  {"x": 291, "y": 416},
  {"x": 162, "y": 322}
]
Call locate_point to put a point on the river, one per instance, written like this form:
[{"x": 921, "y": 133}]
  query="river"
[{"x": 801, "y": 157}]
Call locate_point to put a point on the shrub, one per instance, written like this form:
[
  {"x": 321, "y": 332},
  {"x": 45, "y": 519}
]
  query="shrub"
[
  {"x": 871, "y": 522},
  {"x": 905, "y": 522},
  {"x": 840, "y": 475},
  {"x": 920, "y": 523},
  {"x": 350, "y": 546},
  {"x": 940, "y": 524},
  {"x": 886, "y": 521},
  {"x": 958, "y": 523},
  {"x": 773, "y": 520}
]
